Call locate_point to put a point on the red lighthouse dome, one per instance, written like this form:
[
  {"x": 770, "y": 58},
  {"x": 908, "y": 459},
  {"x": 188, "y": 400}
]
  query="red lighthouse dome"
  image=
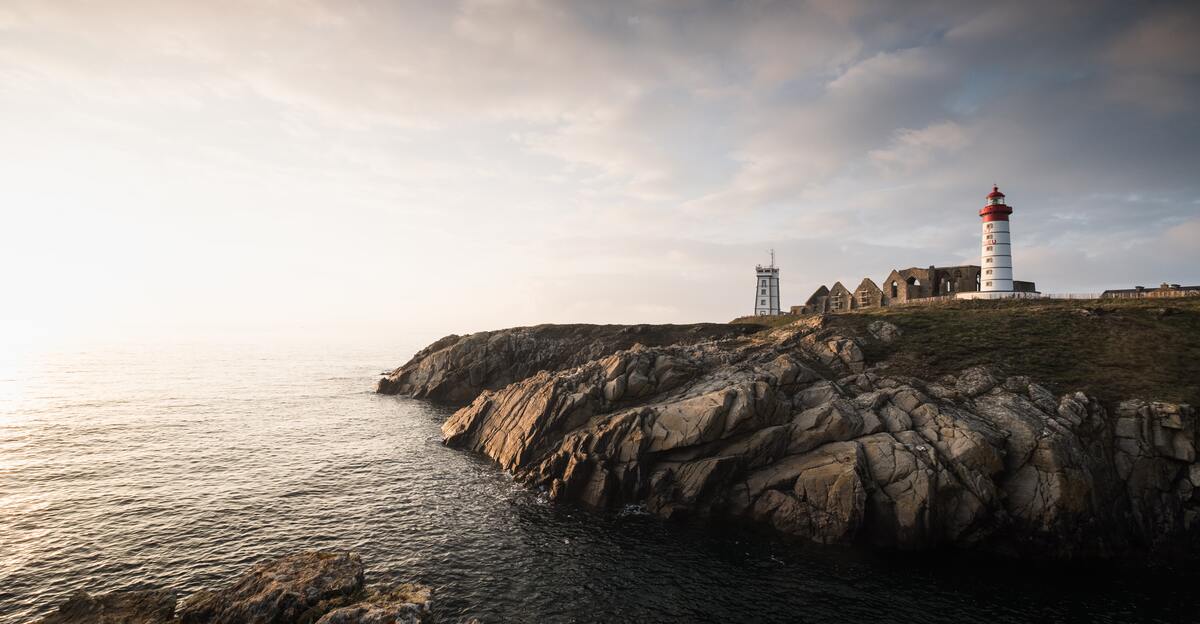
[{"x": 995, "y": 209}]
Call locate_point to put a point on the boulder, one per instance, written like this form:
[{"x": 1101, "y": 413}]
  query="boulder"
[
  {"x": 295, "y": 588},
  {"x": 406, "y": 604},
  {"x": 884, "y": 331},
  {"x": 129, "y": 607},
  {"x": 303, "y": 588}
]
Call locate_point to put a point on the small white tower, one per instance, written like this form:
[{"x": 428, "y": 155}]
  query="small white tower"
[
  {"x": 996, "y": 274},
  {"x": 766, "y": 299}
]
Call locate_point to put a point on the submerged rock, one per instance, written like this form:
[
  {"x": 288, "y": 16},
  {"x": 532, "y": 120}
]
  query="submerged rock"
[
  {"x": 131, "y": 607},
  {"x": 405, "y": 604},
  {"x": 787, "y": 428},
  {"x": 304, "y": 588},
  {"x": 290, "y": 589}
]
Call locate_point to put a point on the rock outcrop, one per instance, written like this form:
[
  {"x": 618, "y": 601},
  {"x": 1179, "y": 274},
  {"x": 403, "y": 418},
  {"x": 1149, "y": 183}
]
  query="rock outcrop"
[
  {"x": 305, "y": 588},
  {"x": 455, "y": 369},
  {"x": 790, "y": 429},
  {"x": 131, "y": 607}
]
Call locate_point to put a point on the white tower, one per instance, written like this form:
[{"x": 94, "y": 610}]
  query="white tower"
[
  {"x": 766, "y": 299},
  {"x": 996, "y": 263}
]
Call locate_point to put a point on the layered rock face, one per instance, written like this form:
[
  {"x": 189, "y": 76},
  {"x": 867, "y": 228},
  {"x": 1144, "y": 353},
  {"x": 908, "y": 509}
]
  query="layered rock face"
[
  {"x": 787, "y": 428},
  {"x": 455, "y": 369},
  {"x": 305, "y": 588}
]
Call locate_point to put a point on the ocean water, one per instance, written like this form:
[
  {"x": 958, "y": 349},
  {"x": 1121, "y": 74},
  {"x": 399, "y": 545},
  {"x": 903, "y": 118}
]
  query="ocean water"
[{"x": 179, "y": 466}]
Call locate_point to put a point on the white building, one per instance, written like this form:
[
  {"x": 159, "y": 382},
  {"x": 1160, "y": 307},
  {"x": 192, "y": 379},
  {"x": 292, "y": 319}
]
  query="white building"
[
  {"x": 996, "y": 274},
  {"x": 766, "y": 299},
  {"x": 995, "y": 262}
]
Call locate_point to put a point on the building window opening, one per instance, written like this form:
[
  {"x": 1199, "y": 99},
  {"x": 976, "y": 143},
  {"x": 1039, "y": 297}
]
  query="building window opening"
[{"x": 895, "y": 289}]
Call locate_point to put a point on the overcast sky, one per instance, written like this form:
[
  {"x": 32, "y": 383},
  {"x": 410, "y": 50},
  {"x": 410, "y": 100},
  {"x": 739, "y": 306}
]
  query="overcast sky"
[{"x": 435, "y": 167}]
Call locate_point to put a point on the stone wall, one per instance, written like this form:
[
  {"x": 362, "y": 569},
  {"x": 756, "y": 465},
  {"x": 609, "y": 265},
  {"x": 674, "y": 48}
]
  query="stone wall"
[{"x": 900, "y": 286}]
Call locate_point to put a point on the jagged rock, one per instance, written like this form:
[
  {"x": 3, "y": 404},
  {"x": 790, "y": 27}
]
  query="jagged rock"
[
  {"x": 294, "y": 588},
  {"x": 975, "y": 381},
  {"x": 406, "y": 604},
  {"x": 884, "y": 331},
  {"x": 455, "y": 369},
  {"x": 131, "y": 607},
  {"x": 304, "y": 588},
  {"x": 789, "y": 428}
]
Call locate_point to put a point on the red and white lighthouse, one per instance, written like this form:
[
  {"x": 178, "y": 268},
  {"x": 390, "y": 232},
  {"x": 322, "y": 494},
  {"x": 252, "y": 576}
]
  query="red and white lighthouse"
[{"x": 996, "y": 274}]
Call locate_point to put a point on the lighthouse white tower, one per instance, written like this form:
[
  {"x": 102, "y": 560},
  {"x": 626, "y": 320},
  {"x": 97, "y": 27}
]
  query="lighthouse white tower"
[
  {"x": 766, "y": 291},
  {"x": 996, "y": 274}
]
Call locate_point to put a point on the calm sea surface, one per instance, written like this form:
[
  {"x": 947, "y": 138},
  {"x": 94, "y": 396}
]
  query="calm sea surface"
[{"x": 179, "y": 466}]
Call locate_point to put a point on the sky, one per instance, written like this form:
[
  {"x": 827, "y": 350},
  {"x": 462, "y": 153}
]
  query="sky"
[{"x": 311, "y": 167}]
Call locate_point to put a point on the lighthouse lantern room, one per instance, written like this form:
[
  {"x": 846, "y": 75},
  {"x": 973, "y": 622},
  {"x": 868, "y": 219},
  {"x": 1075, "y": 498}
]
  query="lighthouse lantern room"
[{"x": 996, "y": 274}]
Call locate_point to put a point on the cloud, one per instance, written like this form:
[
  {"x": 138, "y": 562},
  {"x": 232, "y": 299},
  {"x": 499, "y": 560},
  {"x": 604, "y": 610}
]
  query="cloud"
[
  {"x": 911, "y": 150},
  {"x": 1157, "y": 61},
  {"x": 637, "y": 145}
]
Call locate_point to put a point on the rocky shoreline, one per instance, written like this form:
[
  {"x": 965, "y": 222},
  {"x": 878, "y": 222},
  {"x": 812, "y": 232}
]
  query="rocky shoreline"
[
  {"x": 791, "y": 429},
  {"x": 305, "y": 588}
]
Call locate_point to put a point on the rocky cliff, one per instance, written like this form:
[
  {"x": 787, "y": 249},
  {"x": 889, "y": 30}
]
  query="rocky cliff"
[
  {"x": 305, "y": 588},
  {"x": 791, "y": 429},
  {"x": 455, "y": 369}
]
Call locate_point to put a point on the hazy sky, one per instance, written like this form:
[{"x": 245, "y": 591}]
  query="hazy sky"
[{"x": 197, "y": 168}]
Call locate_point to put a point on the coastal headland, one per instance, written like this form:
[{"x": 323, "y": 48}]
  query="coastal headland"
[{"x": 1029, "y": 428}]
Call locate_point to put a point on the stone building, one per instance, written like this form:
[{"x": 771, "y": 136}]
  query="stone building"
[
  {"x": 900, "y": 286},
  {"x": 992, "y": 280},
  {"x": 868, "y": 295},
  {"x": 815, "y": 302},
  {"x": 903, "y": 285},
  {"x": 1163, "y": 290},
  {"x": 840, "y": 298}
]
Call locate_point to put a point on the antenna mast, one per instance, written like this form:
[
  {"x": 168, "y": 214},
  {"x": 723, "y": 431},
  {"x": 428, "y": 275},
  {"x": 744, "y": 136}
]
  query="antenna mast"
[{"x": 772, "y": 258}]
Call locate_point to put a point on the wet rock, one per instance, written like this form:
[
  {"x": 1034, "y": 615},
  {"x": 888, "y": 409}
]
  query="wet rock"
[
  {"x": 295, "y": 588},
  {"x": 790, "y": 429},
  {"x": 131, "y": 607},
  {"x": 304, "y": 588},
  {"x": 406, "y": 604}
]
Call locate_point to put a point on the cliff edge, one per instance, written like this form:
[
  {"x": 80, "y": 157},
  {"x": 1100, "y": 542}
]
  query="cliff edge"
[
  {"x": 820, "y": 429},
  {"x": 455, "y": 369}
]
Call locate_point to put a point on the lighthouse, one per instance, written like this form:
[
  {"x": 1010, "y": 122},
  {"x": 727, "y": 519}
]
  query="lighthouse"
[
  {"x": 766, "y": 292},
  {"x": 996, "y": 274}
]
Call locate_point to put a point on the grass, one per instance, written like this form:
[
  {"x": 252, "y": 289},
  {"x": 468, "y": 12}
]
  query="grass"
[
  {"x": 1112, "y": 349},
  {"x": 765, "y": 321}
]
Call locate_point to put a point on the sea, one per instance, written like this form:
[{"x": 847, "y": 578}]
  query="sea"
[{"x": 180, "y": 465}]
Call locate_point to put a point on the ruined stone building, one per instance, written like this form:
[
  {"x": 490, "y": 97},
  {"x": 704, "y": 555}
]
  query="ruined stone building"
[
  {"x": 913, "y": 283},
  {"x": 900, "y": 286}
]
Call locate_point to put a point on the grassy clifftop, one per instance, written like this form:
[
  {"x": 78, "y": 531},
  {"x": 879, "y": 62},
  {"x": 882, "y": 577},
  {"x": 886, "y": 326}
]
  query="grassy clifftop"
[{"x": 1112, "y": 349}]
